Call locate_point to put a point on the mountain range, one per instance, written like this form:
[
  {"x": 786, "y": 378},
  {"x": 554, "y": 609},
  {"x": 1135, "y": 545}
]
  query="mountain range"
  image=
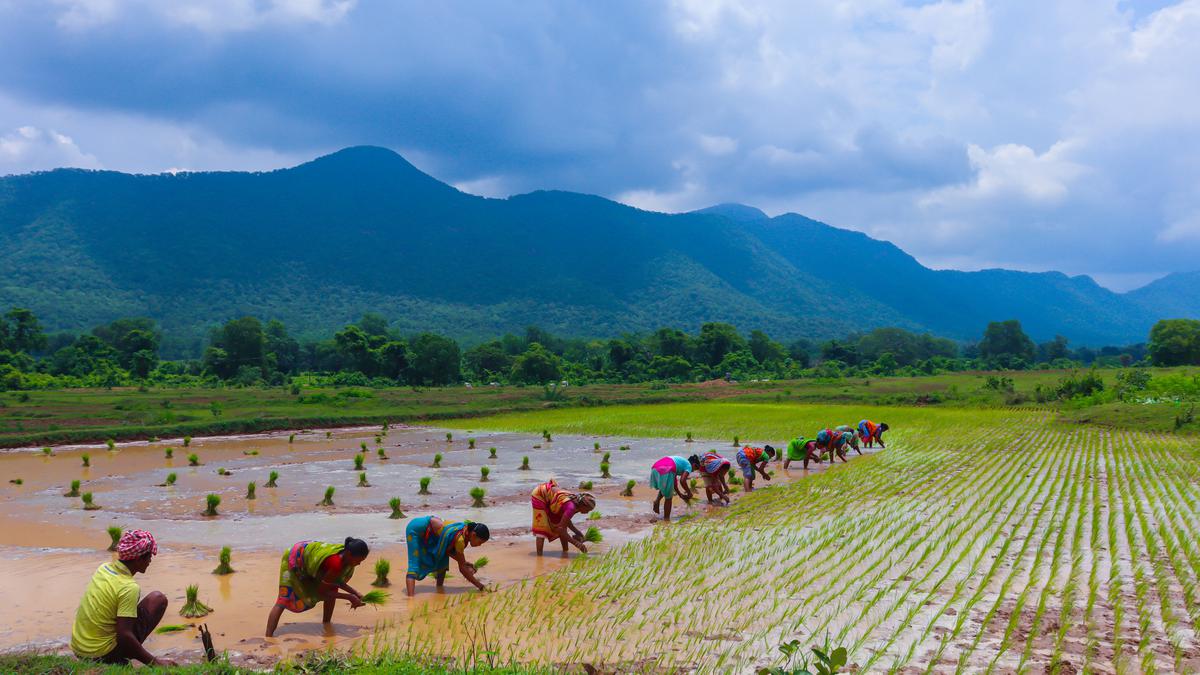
[{"x": 362, "y": 230}]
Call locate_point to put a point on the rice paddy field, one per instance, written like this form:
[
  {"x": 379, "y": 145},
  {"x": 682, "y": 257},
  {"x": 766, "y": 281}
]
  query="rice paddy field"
[{"x": 979, "y": 541}]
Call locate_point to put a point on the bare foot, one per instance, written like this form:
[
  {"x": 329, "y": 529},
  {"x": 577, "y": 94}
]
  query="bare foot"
[{"x": 656, "y": 507}]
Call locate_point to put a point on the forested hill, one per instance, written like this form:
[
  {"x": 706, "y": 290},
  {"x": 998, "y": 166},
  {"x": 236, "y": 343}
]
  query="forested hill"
[{"x": 363, "y": 230}]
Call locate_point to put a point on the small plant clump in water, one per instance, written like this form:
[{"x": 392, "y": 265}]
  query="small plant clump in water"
[
  {"x": 628, "y": 491},
  {"x": 585, "y": 485},
  {"x": 397, "y": 514},
  {"x": 169, "y": 453},
  {"x": 170, "y": 628},
  {"x": 437, "y": 461},
  {"x": 187, "y": 440},
  {"x": 74, "y": 491},
  {"x": 46, "y": 452},
  {"x": 477, "y": 494},
  {"x": 596, "y": 447},
  {"x": 607, "y": 457},
  {"x": 604, "y": 470},
  {"x": 114, "y": 533},
  {"x": 483, "y": 474},
  {"x": 381, "y": 453},
  {"x": 292, "y": 438},
  {"x": 211, "y": 502},
  {"x": 223, "y": 558},
  {"x": 525, "y": 463},
  {"x": 362, "y": 480},
  {"x": 171, "y": 478},
  {"x": 112, "y": 445},
  {"x": 88, "y": 504},
  {"x": 382, "y": 567},
  {"x": 470, "y": 443},
  {"x": 274, "y": 476},
  {"x": 251, "y": 488},
  {"x": 17, "y": 481},
  {"x": 192, "y": 607},
  {"x": 328, "y": 434},
  {"x": 358, "y": 461},
  {"x": 623, "y": 448},
  {"x": 689, "y": 438},
  {"x": 735, "y": 441},
  {"x": 593, "y": 535},
  {"x": 363, "y": 446},
  {"x": 250, "y": 453},
  {"x": 193, "y": 459},
  {"x": 328, "y": 500},
  {"x": 449, "y": 437},
  {"x": 223, "y": 472},
  {"x": 87, "y": 459},
  {"x": 375, "y": 598},
  {"x": 425, "y": 480},
  {"x": 492, "y": 453}
]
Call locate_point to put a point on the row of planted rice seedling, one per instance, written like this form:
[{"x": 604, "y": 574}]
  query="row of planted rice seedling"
[{"x": 977, "y": 542}]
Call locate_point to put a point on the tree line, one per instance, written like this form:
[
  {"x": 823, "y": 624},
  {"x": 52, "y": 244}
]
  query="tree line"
[{"x": 247, "y": 351}]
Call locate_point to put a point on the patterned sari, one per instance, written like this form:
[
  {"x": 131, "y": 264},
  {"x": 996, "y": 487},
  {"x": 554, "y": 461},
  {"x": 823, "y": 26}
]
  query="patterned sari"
[
  {"x": 303, "y": 571},
  {"x": 551, "y": 505},
  {"x": 429, "y": 551}
]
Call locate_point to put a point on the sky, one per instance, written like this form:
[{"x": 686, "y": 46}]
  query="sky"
[{"x": 1030, "y": 135}]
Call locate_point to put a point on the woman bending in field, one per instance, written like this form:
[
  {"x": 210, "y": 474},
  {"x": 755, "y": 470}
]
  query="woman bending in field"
[
  {"x": 833, "y": 442},
  {"x": 669, "y": 475},
  {"x": 553, "y": 508},
  {"x": 801, "y": 449},
  {"x": 314, "y": 572},
  {"x": 871, "y": 433},
  {"x": 432, "y": 542},
  {"x": 752, "y": 459},
  {"x": 713, "y": 467},
  {"x": 847, "y": 429}
]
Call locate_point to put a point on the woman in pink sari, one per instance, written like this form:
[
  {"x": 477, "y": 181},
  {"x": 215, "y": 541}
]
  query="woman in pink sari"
[{"x": 553, "y": 508}]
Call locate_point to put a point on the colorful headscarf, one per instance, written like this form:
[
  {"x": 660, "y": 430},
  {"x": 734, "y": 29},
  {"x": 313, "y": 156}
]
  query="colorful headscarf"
[{"x": 135, "y": 544}]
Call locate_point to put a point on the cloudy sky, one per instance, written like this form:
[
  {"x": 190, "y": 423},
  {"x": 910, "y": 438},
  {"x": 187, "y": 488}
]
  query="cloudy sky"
[{"x": 1026, "y": 134}]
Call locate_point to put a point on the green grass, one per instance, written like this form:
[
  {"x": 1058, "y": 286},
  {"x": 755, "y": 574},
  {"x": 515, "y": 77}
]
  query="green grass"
[{"x": 318, "y": 662}]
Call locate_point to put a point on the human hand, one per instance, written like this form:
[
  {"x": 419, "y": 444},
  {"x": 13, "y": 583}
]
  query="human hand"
[
  {"x": 166, "y": 663},
  {"x": 356, "y": 602}
]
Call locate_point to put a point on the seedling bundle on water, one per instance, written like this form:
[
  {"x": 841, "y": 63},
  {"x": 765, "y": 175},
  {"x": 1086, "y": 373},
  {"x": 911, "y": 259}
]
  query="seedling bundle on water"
[
  {"x": 483, "y": 474},
  {"x": 492, "y": 453},
  {"x": 604, "y": 470},
  {"x": 397, "y": 514},
  {"x": 74, "y": 491},
  {"x": 328, "y": 500},
  {"x": 425, "y": 480},
  {"x": 47, "y": 452},
  {"x": 592, "y": 535},
  {"x": 358, "y": 461},
  {"x": 274, "y": 475},
  {"x": 251, "y": 489},
  {"x": 192, "y": 607},
  {"x": 112, "y": 445},
  {"x": 381, "y": 453},
  {"x": 362, "y": 480},
  {"x": 585, "y": 485},
  {"x": 211, "y": 502},
  {"x": 437, "y": 461},
  {"x": 171, "y": 478},
  {"x": 193, "y": 459},
  {"x": 477, "y": 495},
  {"x": 114, "y": 533},
  {"x": 525, "y": 463},
  {"x": 471, "y": 443},
  {"x": 223, "y": 558},
  {"x": 88, "y": 505},
  {"x": 382, "y": 567},
  {"x": 86, "y": 458},
  {"x": 628, "y": 491},
  {"x": 169, "y": 453},
  {"x": 481, "y": 562}
]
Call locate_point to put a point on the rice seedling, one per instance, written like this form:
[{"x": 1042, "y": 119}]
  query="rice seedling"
[
  {"x": 362, "y": 447},
  {"x": 327, "y": 500},
  {"x": 425, "y": 481},
  {"x": 382, "y": 568},
  {"x": 396, "y": 514},
  {"x": 470, "y": 443},
  {"x": 112, "y": 445},
  {"x": 481, "y": 562},
  {"x": 170, "y": 628},
  {"x": 88, "y": 503},
  {"x": 17, "y": 481},
  {"x": 628, "y": 491},
  {"x": 250, "y": 453},
  {"x": 592, "y": 535},
  {"x": 378, "y": 439},
  {"x": 328, "y": 434},
  {"x": 251, "y": 490},
  {"x": 623, "y": 448},
  {"x": 362, "y": 480},
  {"x": 689, "y": 438},
  {"x": 596, "y": 447},
  {"x": 384, "y": 428},
  {"x": 607, "y": 457},
  {"x": 449, "y": 437},
  {"x": 547, "y": 437},
  {"x": 291, "y": 438},
  {"x": 187, "y": 441},
  {"x": 492, "y": 453},
  {"x": 74, "y": 491},
  {"x": 86, "y": 458},
  {"x": 477, "y": 494},
  {"x": 483, "y": 473},
  {"x": 376, "y": 598},
  {"x": 358, "y": 461},
  {"x": 586, "y": 485},
  {"x": 114, "y": 533},
  {"x": 193, "y": 459},
  {"x": 169, "y": 453},
  {"x": 382, "y": 454},
  {"x": 192, "y": 607},
  {"x": 524, "y": 463},
  {"x": 211, "y": 502},
  {"x": 171, "y": 478},
  {"x": 47, "y": 452},
  {"x": 437, "y": 461},
  {"x": 604, "y": 466},
  {"x": 223, "y": 558},
  {"x": 271, "y": 480},
  {"x": 594, "y": 515},
  {"x": 735, "y": 442},
  {"x": 223, "y": 472}
]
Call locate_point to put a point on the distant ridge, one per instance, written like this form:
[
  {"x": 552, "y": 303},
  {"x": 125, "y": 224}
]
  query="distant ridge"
[{"x": 362, "y": 229}]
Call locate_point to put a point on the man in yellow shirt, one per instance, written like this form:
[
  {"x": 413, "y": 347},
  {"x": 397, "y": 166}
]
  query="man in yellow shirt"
[{"x": 111, "y": 624}]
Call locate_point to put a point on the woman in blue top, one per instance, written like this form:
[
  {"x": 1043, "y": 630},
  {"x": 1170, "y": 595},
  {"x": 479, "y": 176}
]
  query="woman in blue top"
[{"x": 668, "y": 475}]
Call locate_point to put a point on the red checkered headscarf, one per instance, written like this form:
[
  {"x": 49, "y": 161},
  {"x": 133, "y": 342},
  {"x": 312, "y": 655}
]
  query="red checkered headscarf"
[{"x": 135, "y": 544}]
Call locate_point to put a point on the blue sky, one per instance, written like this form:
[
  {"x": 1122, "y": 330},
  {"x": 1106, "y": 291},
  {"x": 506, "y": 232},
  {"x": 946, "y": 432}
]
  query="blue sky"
[{"x": 1029, "y": 135}]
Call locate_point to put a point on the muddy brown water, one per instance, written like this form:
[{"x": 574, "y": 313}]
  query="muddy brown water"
[{"x": 50, "y": 546}]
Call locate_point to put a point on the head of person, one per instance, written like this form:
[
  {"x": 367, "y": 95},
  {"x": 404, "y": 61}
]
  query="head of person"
[
  {"x": 883, "y": 427},
  {"x": 135, "y": 549},
  {"x": 355, "y": 551},
  {"x": 585, "y": 502},
  {"x": 478, "y": 534},
  {"x": 694, "y": 460},
  {"x": 768, "y": 451}
]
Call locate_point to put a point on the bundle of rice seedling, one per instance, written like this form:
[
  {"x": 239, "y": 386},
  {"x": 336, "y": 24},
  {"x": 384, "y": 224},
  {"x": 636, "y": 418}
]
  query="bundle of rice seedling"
[
  {"x": 328, "y": 500},
  {"x": 437, "y": 461},
  {"x": 376, "y": 598},
  {"x": 187, "y": 440},
  {"x": 483, "y": 473},
  {"x": 74, "y": 491},
  {"x": 17, "y": 481},
  {"x": 381, "y": 453},
  {"x": 87, "y": 459},
  {"x": 192, "y": 607},
  {"x": 112, "y": 445},
  {"x": 382, "y": 567},
  {"x": 594, "y": 515},
  {"x": 171, "y": 478},
  {"x": 425, "y": 480},
  {"x": 224, "y": 472},
  {"x": 114, "y": 533},
  {"x": 211, "y": 502},
  {"x": 449, "y": 437},
  {"x": 170, "y": 628},
  {"x": 525, "y": 463},
  {"x": 363, "y": 446},
  {"x": 397, "y": 514},
  {"x": 628, "y": 491},
  {"x": 585, "y": 485},
  {"x": 358, "y": 461},
  {"x": 735, "y": 441},
  {"x": 481, "y": 562},
  {"x": 251, "y": 489},
  {"x": 592, "y": 535},
  {"x": 604, "y": 470},
  {"x": 595, "y": 447},
  {"x": 492, "y": 453},
  {"x": 46, "y": 452},
  {"x": 274, "y": 476},
  {"x": 477, "y": 495},
  {"x": 223, "y": 558},
  {"x": 88, "y": 505},
  {"x": 250, "y": 453},
  {"x": 470, "y": 443},
  {"x": 362, "y": 480},
  {"x": 169, "y": 453},
  {"x": 292, "y": 438},
  {"x": 193, "y": 459},
  {"x": 689, "y": 437}
]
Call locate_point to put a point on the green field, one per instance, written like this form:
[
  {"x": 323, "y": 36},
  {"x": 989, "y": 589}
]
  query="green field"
[{"x": 979, "y": 541}]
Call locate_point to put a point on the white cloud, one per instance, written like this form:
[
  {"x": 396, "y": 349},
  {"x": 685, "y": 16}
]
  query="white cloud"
[
  {"x": 1013, "y": 170},
  {"x": 29, "y": 148},
  {"x": 718, "y": 146},
  {"x": 959, "y": 31},
  {"x": 210, "y": 16}
]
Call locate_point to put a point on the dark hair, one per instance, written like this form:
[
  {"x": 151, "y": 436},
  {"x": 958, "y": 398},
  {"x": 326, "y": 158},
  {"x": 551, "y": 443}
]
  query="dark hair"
[
  {"x": 480, "y": 530},
  {"x": 695, "y": 460},
  {"x": 769, "y": 450},
  {"x": 356, "y": 547},
  {"x": 883, "y": 427}
]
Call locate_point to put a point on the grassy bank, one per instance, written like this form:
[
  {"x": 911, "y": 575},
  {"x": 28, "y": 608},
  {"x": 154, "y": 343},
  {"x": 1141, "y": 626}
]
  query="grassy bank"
[{"x": 313, "y": 664}]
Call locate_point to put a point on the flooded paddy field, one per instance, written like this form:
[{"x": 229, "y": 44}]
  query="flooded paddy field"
[{"x": 52, "y": 544}]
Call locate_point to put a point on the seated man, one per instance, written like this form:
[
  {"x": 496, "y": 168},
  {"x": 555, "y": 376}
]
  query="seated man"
[{"x": 110, "y": 624}]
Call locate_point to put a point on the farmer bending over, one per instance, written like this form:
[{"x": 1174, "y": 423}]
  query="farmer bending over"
[
  {"x": 713, "y": 468},
  {"x": 111, "y": 624},
  {"x": 871, "y": 433},
  {"x": 847, "y": 429},
  {"x": 314, "y": 572},
  {"x": 668, "y": 475},
  {"x": 752, "y": 459},
  {"x": 801, "y": 449}
]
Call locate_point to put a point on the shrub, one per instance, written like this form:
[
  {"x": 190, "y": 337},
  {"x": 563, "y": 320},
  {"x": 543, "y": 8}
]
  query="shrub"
[
  {"x": 193, "y": 459},
  {"x": 358, "y": 461},
  {"x": 211, "y": 503},
  {"x": 74, "y": 491},
  {"x": 274, "y": 476},
  {"x": 88, "y": 504},
  {"x": 628, "y": 491},
  {"x": 114, "y": 533},
  {"x": 223, "y": 558},
  {"x": 477, "y": 494},
  {"x": 328, "y": 500},
  {"x": 250, "y": 490},
  {"x": 382, "y": 567},
  {"x": 192, "y": 607},
  {"x": 483, "y": 474},
  {"x": 437, "y": 461},
  {"x": 425, "y": 481},
  {"x": 397, "y": 514},
  {"x": 87, "y": 459},
  {"x": 362, "y": 480},
  {"x": 525, "y": 463}
]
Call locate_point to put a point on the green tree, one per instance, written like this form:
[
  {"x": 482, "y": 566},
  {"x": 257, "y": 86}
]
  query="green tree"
[
  {"x": 671, "y": 342},
  {"x": 435, "y": 360},
  {"x": 716, "y": 340},
  {"x": 488, "y": 360},
  {"x": 1175, "y": 342},
  {"x": 537, "y": 365},
  {"x": 20, "y": 331},
  {"x": 373, "y": 324},
  {"x": 764, "y": 349},
  {"x": 240, "y": 342},
  {"x": 1053, "y": 350},
  {"x": 282, "y": 349},
  {"x": 354, "y": 348},
  {"x": 1006, "y": 342},
  {"x": 393, "y": 359}
]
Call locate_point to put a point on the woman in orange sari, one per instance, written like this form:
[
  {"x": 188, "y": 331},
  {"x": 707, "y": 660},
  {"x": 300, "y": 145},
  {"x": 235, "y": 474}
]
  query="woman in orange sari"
[{"x": 553, "y": 508}]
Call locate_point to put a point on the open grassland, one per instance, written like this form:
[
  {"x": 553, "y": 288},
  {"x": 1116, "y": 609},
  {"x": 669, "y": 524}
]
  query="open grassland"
[
  {"x": 78, "y": 415},
  {"x": 979, "y": 541}
]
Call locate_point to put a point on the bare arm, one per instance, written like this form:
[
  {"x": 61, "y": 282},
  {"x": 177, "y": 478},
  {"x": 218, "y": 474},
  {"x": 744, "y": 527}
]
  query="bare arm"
[
  {"x": 466, "y": 569},
  {"x": 762, "y": 469}
]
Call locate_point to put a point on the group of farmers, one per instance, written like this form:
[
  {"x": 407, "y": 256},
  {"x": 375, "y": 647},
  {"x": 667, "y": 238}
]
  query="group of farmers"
[{"x": 113, "y": 620}]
